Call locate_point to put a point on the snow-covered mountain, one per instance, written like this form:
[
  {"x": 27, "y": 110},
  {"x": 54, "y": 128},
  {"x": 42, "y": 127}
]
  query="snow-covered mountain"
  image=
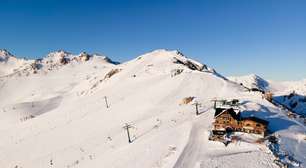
[
  {"x": 252, "y": 81},
  {"x": 292, "y": 94},
  {"x": 69, "y": 111},
  {"x": 12, "y": 66},
  {"x": 9, "y": 63}
]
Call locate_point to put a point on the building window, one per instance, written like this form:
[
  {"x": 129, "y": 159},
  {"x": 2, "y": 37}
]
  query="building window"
[
  {"x": 257, "y": 125},
  {"x": 248, "y": 125}
]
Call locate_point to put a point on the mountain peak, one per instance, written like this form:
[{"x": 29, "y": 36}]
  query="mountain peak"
[
  {"x": 58, "y": 53},
  {"x": 4, "y": 52},
  {"x": 165, "y": 52},
  {"x": 84, "y": 53},
  {"x": 105, "y": 58},
  {"x": 255, "y": 76},
  {"x": 251, "y": 81},
  {"x": 165, "y": 58},
  {"x": 5, "y": 55}
]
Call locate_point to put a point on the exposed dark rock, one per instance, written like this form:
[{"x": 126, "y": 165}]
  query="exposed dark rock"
[{"x": 189, "y": 64}]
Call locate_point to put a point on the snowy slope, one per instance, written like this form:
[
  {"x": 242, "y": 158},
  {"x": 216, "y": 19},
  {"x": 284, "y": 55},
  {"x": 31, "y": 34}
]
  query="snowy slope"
[
  {"x": 251, "y": 81},
  {"x": 9, "y": 63},
  {"x": 292, "y": 94},
  {"x": 59, "y": 118}
]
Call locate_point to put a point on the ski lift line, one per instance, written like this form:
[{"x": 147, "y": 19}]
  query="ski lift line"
[{"x": 127, "y": 127}]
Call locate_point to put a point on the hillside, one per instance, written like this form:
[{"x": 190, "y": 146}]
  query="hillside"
[
  {"x": 10, "y": 64},
  {"x": 251, "y": 81},
  {"x": 70, "y": 112},
  {"x": 291, "y": 94}
]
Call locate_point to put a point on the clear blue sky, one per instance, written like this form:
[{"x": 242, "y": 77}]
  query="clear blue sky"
[{"x": 236, "y": 37}]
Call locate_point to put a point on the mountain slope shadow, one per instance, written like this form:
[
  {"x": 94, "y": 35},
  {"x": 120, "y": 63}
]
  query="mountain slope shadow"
[
  {"x": 27, "y": 110},
  {"x": 276, "y": 121},
  {"x": 293, "y": 102}
]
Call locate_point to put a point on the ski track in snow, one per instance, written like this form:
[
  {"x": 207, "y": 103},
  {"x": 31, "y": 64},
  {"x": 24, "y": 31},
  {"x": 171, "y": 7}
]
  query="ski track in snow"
[
  {"x": 197, "y": 152},
  {"x": 195, "y": 146}
]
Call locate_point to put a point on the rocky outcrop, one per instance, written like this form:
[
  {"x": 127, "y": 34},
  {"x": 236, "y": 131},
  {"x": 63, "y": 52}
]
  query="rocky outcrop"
[
  {"x": 193, "y": 65},
  {"x": 186, "y": 100},
  {"x": 175, "y": 72},
  {"x": 84, "y": 56},
  {"x": 111, "y": 73}
]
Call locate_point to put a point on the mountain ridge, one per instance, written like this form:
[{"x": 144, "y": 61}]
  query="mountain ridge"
[
  {"x": 14, "y": 66},
  {"x": 73, "y": 116},
  {"x": 59, "y": 58}
]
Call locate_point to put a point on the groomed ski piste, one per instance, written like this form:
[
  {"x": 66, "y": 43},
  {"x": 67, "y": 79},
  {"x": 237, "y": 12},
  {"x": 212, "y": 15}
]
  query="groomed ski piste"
[{"x": 72, "y": 116}]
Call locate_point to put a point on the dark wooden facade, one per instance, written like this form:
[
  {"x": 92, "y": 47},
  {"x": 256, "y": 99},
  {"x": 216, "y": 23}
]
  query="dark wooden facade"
[
  {"x": 226, "y": 119},
  {"x": 229, "y": 120},
  {"x": 254, "y": 125}
]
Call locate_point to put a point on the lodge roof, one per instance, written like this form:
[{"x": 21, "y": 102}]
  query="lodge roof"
[
  {"x": 236, "y": 116},
  {"x": 231, "y": 111}
]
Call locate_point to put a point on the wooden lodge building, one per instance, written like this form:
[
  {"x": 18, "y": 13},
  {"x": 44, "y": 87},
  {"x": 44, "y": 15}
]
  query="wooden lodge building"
[{"x": 228, "y": 120}]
